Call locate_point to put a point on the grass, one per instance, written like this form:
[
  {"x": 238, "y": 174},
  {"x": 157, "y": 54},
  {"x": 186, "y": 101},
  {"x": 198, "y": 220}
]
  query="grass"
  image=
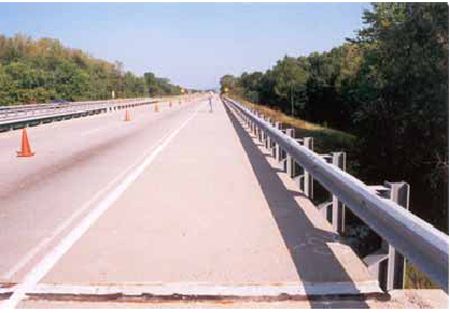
[
  {"x": 325, "y": 139},
  {"x": 415, "y": 279}
]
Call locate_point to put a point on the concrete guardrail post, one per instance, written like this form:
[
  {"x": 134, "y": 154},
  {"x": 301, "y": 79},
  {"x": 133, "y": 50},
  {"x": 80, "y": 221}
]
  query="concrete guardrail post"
[
  {"x": 388, "y": 264},
  {"x": 262, "y": 132},
  {"x": 339, "y": 159},
  {"x": 396, "y": 263},
  {"x": 277, "y": 151},
  {"x": 252, "y": 126},
  {"x": 257, "y": 133},
  {"x": 289, "y": 161},
  {"x": 308, "y": 186},
  {"x": 268, "y": 143}
]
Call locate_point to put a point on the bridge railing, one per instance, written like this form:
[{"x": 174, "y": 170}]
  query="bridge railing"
[
  {"x": 31, "y": 115},
  {"x": 379, "y": 207},
  {"x": 14, "y": 112}
]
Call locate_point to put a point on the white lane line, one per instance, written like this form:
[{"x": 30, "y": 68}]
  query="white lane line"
[
  {"x": 66, "y": 223},
  {"x": 39, "y": 271}
]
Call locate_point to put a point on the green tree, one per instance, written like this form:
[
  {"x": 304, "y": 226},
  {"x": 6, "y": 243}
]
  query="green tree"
[
  {"x": 388, "y": 86},
  {"x": 43, "y": 70},
  {"x": 159, "y": 86},
  {"x": 291, "y": 75},
  {"x": 403, "y": 126},
  {"x": 251, "y": 84},
  {"x": 228, "y": 82}
]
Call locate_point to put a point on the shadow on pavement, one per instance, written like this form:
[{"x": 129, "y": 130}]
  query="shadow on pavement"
[{"x": 315, "y": 262}]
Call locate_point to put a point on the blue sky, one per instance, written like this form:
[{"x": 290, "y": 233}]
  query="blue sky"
[{"x": 191, "y": 44}]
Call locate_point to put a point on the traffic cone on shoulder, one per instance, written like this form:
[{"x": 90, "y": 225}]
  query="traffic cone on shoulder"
[
  {"x": 156, "y": 107},
  {"x": 127, "y": 116},
  {"x": 26, "y": 149}
]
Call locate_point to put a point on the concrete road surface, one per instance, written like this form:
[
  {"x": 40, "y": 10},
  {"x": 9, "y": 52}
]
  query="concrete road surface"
[
  {"x": 177, "y": 202},
  {"x": 74, "y": 161}
]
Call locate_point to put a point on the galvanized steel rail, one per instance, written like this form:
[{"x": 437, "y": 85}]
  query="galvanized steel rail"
[
  {"x": 9, "y": 112},
  {"x": 421, "y": 243},
  {"x": 12, "y": 116}
]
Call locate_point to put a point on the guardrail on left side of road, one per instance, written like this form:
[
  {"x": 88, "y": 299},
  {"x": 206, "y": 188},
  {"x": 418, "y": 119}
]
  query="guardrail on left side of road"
[{"x": 31, "y": 115}]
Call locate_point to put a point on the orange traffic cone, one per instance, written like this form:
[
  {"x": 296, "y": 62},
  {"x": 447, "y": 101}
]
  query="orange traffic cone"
[
  {"x": 127, "y": 116},
  {"x": 156, "y": 107},
  {"x": 26, "y": 149}
]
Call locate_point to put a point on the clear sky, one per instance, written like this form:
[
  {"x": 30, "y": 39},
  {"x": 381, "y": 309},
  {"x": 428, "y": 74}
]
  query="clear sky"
[{"x": 191, "y": 44}]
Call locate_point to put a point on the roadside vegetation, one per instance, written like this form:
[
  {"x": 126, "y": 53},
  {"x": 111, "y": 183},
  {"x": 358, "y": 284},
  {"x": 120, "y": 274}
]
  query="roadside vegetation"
[
  {"x": 386, "y": 91},
  {"x": 42, "y": 70},
  {"x": 358, "y": 235},
  {"x": 327, "y": 139},
  {"x": 388, "y": 87}
]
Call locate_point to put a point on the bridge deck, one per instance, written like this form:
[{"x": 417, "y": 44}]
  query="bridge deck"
[{"x": 210, "y": 214}]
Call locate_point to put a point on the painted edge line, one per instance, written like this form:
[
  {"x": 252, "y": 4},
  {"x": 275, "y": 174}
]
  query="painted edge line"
[
  {"x": 39, "y": 271},
  {"x": 73, "y": 217}
]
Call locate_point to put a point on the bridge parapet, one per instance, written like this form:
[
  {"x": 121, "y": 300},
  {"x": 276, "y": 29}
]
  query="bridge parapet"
[{"x": 382, "y": 208}]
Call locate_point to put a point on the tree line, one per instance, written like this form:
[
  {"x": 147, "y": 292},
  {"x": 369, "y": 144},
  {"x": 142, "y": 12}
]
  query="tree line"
[
  {"x": 388, "y": 86},
  {"x": 42, "y": 70}
]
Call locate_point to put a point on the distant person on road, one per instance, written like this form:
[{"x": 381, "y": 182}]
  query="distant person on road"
[{"x": 210, "y": 101}]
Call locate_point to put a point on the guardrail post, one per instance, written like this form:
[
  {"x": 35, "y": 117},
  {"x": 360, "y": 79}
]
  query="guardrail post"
[
  {"x": 277, "y": 151},
  {"x": 254, "y": 127},
  {"x": 386, "y": 263},
  {"x": 308, "y": 142},
  {"x": 289, "y": 160},
  {"x": 395, "y": 276},
  {"x": 258, "y": 129},
  {"x": 339, "y": 159},
  {"x": 268, "y": 143},
  {"x": 264, "y": 142},
  {"x": 263, "y": 133}
]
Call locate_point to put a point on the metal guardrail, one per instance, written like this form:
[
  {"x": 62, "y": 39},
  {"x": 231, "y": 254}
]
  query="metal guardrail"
[
  {"x": 10, "y": 112},
  {"x": 418, "y": 241},
  {"x": 19, "y": 116}
]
